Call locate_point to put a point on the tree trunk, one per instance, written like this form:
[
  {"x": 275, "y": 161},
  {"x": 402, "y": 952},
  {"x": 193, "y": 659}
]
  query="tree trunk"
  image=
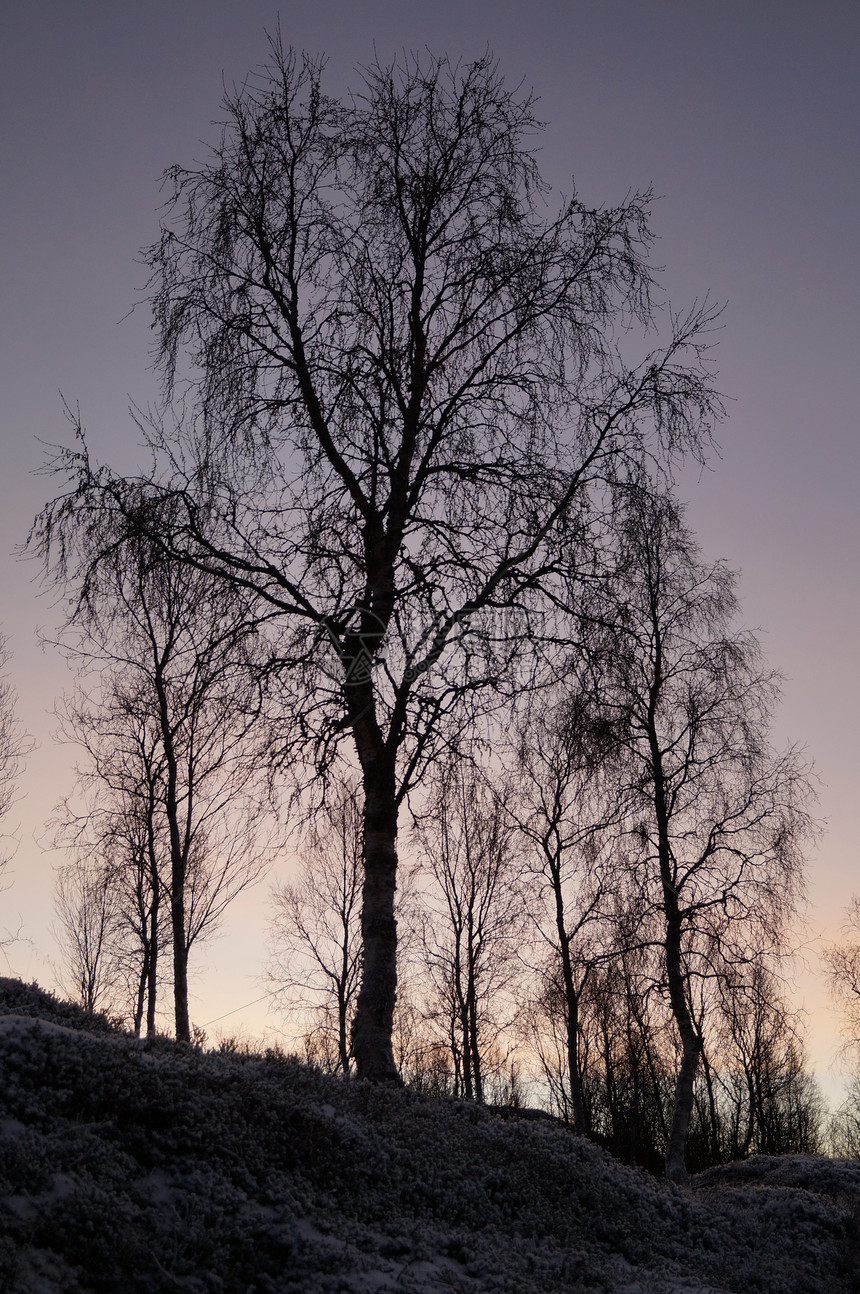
[
  {"x": 152, "y": 943},
  {"x": 713, "y": 1114},
  {"x": 180, "y": 965},
  {"x": 137, "y": 1017},
  {"x": 571, "y": 1014},
  {"x": 152, "y": 970},
  {"x": 463, "y": 1046},
  {"x": 472, "y": 1040},
  {"x": 460, "y": 1010},
  {"x": 140, "y": 996},
  {"x": 178, "y": 861},
  {"x": 577, "y": 1103},
  {"x": 342, "y": 1034},
  {"x": 374, "y": 1012},
  {"x": 676, "y": 1168}
]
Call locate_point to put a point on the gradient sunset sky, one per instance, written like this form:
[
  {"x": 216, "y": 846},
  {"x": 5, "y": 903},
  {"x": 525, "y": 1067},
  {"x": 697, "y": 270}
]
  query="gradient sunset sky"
[{"x": 742, "y": 114}]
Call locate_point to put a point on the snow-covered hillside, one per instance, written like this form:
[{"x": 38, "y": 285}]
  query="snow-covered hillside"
[{"x": 133, "y": 1167}]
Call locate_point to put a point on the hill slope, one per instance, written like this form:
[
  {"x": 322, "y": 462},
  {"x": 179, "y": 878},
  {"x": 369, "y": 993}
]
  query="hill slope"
[{"x": 157, "y": 1168}]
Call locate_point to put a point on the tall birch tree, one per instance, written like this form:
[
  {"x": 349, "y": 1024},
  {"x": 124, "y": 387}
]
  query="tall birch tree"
[
  {"x": 719, "y": 817},
  {"x": 403, "y": 382}
]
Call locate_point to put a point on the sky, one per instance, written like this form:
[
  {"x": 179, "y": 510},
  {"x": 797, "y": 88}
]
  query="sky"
[{"x": 742, "y": 116}]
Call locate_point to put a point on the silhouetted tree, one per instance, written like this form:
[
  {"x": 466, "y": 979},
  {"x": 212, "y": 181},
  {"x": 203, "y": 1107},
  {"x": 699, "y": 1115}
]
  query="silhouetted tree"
[
  {"x": 719, "y": 818},
  {"x": 842, "y": 963},
  {"x": 88, "y": 912},
  {"x": 842, "y": 966},
  {"x": 626, "y": 1031},
  {"x": 14, "y": 743},
  {"x": 405, "y": 396},
  {"x": 776, "y": 1108},
  {"x": 754, "y": 1094},
  {"x": 471, "y": 920},
  {"x": 315, "y": 928},
  {"x": 843, "y": 1133},
  {"x": 172, "y": 736},
  {"x": 567, "y": 801},
  {"x": 115, "y": 823}
]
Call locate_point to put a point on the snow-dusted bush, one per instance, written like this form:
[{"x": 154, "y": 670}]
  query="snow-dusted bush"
[
  {"x": 17, "y": 998},
  {"x": 146, "y": 1167}
]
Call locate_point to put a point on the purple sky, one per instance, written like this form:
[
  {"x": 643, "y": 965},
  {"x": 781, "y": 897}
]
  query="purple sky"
[{"x": 744, "y": 117}]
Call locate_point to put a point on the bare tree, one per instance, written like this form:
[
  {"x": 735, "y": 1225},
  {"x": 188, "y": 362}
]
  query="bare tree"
[
  {"x": 842, "y": 963},
  {"x": 405, "y": 398},
  {"x": 567, "y": 803},
  {"x": 88, "y": 913},
  {"x": 719, "y": 819},
  {"x": 116, "y": 821},
  {"x": 843, "y": 1131},
  {"x": 173, "y": 743},
  {"x": 770, "y": 1104},
  {"x": 472, "y": 919},
  {"x": 14, "y": 744},
  {"x": 315, "y": 929},
  {"x": 842, "y": 966},
  {"x": 630, "y": 1076}
]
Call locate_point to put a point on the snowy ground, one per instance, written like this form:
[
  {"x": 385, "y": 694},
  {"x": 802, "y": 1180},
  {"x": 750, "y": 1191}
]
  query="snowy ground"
[{"x": 128, "y": 1167}]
